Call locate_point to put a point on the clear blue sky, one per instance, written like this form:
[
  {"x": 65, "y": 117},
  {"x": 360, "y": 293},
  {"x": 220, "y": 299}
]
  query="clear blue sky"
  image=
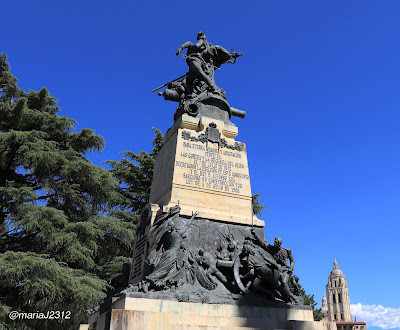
[{"x": 319, "y": 82}]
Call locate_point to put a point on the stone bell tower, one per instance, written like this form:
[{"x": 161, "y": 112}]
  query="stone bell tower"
[{"x": 338, "y": 296}]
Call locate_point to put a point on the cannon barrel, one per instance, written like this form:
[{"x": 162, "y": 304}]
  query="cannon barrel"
[
  {"x": 170, "y": 95},
  {"x": 238, "y": 113}
]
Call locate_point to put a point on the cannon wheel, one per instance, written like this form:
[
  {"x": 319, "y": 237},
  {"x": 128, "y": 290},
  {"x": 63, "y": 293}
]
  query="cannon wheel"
[{"x": 236, "y": 266}]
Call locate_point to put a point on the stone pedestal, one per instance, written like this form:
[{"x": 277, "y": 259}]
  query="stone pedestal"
[
  {"x": 204, "y": 169},
  {"x": 137, "y": 313},
  {"x": 202, "y": 270}
]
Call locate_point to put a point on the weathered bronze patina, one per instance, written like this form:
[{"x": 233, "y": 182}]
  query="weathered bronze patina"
[{"x": 196, "y": 91}]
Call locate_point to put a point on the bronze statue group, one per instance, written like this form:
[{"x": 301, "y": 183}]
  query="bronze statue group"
[{"x": 240, "y": 262}]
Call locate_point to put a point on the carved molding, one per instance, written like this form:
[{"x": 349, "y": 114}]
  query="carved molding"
[{"x": 212, "y": 134}]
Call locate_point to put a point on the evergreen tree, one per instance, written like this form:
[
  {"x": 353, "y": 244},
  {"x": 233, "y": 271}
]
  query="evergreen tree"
[
  {"x": 257, "y": 205},
  {"x": 135, "y": 174},
  {"x": 63, "y": 232}
]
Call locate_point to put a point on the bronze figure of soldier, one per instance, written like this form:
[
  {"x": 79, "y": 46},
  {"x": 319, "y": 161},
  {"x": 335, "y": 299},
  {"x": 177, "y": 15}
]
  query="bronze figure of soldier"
[
  {"x": 202, "y": 58},
  {"x": 281, "y": 270},
  {"x": 199, "y": 58}
]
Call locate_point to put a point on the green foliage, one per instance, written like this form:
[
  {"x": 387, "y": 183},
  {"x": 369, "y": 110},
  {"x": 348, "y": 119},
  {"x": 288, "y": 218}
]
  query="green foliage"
[
  {"x": 135, "y": 174},
  {"x": 257, "y": 205},
  {"x": 8, "y": 83},
  {"x": 62, "y": 236},
  {"x": 32, "y": 282},
  {"x": 318, "y": 316}
]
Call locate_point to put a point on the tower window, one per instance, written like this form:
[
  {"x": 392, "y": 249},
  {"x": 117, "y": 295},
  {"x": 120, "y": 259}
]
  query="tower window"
[
  {"x": 339, "y": 298},
  {"x": 334, "y": 316},
  {"x": 342, "y": 317},
  {"x": 334, "y": 298}
]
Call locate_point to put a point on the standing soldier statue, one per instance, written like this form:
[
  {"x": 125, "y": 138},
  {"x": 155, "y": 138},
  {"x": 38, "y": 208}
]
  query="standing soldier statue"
[
  {"x": 198, "y": 84},
  {"x": 202, "y": 58}
]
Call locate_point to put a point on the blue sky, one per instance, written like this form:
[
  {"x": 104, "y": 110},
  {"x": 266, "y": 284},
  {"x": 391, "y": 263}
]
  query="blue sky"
[{"x": 319, "y": 82}]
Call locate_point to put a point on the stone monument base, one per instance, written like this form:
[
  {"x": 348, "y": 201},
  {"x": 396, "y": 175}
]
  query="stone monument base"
[{"x": 128, "y": 313}]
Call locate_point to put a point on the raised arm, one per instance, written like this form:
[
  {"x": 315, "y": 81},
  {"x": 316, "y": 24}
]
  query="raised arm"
[
  {"x": 183, "y": 230},
  {"x": 261, "y": 242},
  {"x": 187, "y": 44}
]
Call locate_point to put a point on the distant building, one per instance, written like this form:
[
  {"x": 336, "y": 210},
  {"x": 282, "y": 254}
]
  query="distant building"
[{"x": 336, "y": 305}]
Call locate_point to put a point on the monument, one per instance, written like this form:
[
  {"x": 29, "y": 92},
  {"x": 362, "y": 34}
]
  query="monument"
[{"x": 200, "y": 259}]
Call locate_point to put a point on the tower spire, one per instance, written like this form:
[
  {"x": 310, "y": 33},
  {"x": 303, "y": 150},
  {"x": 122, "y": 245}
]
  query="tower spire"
[{"x": 338, "y": 296}]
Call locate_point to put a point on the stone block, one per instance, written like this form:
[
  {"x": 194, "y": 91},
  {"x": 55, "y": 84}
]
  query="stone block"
[
  {"x": 139, "y": 313},
  {"x": 205, "y": 172}
]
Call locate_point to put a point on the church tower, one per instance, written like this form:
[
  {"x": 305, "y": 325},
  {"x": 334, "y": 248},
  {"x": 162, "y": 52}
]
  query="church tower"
[{"x": 338, "y": 296}]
